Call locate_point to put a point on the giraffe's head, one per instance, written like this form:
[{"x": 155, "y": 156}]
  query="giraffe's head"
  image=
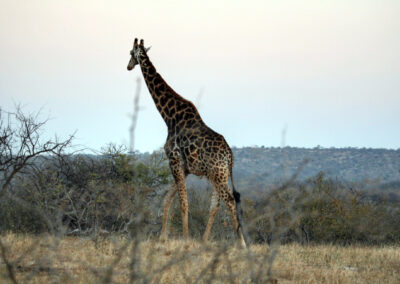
[{"x": 137, "y": 52}]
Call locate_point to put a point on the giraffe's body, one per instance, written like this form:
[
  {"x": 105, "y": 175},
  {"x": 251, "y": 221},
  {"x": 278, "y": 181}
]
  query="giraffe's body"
[{"x": 191, "y": 147}]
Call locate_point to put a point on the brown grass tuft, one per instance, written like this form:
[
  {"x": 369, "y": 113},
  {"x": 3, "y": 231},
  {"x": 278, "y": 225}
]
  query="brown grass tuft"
[{"x": 43, "y": 259}]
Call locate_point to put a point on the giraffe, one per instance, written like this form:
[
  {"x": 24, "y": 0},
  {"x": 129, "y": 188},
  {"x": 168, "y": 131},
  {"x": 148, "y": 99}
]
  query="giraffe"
[{"x": 191, "y": 147}]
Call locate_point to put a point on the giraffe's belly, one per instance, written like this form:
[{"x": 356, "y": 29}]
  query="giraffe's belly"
[
  {"x": 195, "y": 165},
  {"x": 203, "y": 151},
  {"x": 207, "y": 163}
]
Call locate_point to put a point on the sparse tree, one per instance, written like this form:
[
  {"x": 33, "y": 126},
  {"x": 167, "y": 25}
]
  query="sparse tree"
[{"x": 22, "y": 144}]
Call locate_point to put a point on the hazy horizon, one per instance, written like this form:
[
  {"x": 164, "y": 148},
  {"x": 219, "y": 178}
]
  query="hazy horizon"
[{"x": 326, "y": 73}]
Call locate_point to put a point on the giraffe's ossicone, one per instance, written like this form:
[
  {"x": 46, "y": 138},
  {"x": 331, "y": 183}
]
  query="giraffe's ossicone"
[{"x": 191, "y": 147}]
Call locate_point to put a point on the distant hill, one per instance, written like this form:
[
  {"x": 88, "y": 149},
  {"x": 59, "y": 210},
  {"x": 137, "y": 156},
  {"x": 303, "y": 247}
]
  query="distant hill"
[
  {"x": 257, "y": 168},
  {"x": 272, "y": 165},
  {"x": 260, "y": 168}
]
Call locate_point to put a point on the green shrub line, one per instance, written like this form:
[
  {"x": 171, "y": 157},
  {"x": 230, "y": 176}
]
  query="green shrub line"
[{"x": 82, "y": 194}]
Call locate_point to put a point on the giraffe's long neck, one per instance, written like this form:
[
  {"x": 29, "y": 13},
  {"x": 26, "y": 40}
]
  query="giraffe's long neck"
[{"x": 176, "y": 111}]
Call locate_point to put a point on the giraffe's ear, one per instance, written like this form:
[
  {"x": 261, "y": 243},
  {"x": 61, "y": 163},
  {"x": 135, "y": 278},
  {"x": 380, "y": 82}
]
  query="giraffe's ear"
[{"x": 147, "y": 49}]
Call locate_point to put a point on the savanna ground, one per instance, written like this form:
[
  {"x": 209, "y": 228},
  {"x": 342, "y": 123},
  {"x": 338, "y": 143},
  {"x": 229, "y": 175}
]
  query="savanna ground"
[{"x": 48, "y": 259}]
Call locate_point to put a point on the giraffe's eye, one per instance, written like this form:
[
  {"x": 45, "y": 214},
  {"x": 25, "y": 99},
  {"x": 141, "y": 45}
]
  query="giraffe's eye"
[{"x": 132, "y": 53}]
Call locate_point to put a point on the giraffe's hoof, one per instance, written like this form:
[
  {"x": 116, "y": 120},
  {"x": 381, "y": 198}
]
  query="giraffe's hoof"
[
  {"x": 163, "y": 238},
  {"x": 242, "y": 244}
]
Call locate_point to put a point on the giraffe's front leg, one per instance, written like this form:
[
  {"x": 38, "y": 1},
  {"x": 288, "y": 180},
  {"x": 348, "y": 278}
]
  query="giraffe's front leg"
[
  {"x": 180, "y": 177},
  {"x": 184, "y": 208},
  {"x": 215, "y": 201},
  {"x": 169, "y": 197}
]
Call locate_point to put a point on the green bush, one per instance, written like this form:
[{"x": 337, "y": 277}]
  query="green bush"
[
  {"x": 324, "y": 211},
  {"x": 111, "y": 192},
  {"x": 82, "y": 193}
]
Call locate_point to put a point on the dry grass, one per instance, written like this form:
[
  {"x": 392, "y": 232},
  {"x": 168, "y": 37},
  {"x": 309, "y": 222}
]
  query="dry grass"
[{"x": 43, "y": 259}]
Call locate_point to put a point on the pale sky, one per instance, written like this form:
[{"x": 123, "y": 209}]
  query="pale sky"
[{"x": 326, "y": 71}]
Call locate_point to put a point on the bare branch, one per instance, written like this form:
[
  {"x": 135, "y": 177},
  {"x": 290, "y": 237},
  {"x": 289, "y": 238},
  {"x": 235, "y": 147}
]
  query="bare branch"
[{"x": 21, "y": 144}]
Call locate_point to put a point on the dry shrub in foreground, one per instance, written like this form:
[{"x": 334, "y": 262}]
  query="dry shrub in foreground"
[{"x": 44, "y": 259}]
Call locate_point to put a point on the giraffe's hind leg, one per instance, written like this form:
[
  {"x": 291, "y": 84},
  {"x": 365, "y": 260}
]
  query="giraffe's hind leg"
[
  {"x": 215, "y": 201},
  {"x": 226, "y": 194},
  {"x": 169, "y": 197}
]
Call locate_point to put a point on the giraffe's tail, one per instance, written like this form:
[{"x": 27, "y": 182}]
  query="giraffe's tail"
[{"x": 236, "y": 195}]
